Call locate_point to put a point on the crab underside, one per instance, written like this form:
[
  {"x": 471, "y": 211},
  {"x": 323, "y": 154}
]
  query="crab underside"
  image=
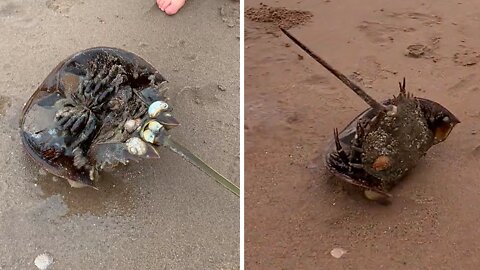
[{"x": 97, "y": 109}]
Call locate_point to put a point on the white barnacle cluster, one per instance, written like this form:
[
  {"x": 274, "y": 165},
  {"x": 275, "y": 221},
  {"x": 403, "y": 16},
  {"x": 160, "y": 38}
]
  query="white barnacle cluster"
[
  {"x": 150, "y": 130},
  {"x": 132, "y": 124},
  {"x": 156, "y": 108}
]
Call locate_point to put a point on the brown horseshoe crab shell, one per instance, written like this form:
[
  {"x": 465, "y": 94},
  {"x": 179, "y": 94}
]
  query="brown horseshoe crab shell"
[
  {"x": 384, "y": 142},
  {"x": 347, "y": 135},
  {"x": 63, "y": 80}
]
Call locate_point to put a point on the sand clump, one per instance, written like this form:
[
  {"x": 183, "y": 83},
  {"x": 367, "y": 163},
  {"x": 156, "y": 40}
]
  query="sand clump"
[{"x": 279, "y": 16}]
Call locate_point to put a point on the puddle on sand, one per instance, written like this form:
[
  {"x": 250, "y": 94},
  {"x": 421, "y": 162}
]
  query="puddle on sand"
[{"x": 112, "y": 196}]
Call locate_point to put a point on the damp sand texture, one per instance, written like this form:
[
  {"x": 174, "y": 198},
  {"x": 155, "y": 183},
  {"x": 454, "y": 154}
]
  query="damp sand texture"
[{"x": 168, "y": 212}]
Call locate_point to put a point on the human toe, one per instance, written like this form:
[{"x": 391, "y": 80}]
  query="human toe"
[{"x": 174, "y": 7}]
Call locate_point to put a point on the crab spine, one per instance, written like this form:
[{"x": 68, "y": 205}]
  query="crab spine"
[{"x": 359, "y": 91}]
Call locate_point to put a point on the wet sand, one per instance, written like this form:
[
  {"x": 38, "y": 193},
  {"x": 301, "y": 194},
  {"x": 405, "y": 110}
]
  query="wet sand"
[
  {"x": 157, "y": 215},
  {"x": 295, "y": 212}
]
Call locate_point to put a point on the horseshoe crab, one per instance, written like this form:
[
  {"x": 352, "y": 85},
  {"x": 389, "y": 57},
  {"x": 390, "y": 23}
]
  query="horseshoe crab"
[
  {"x": 379, "y": 146},
  {"x": 99, "y": 108}
]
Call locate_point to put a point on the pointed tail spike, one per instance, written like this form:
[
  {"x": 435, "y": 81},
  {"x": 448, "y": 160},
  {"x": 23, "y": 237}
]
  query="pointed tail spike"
[
  {"x": 174, "y": 146},
  {"x": 359, "y": 91}
]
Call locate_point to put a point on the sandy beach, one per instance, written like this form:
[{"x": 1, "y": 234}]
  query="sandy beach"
[
  {"x": 295, "y": 213},
  {"x": 162, "y": 214}
]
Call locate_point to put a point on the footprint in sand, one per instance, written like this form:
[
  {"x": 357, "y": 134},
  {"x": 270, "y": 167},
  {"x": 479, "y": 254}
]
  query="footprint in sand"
[
  {"x": 230, "y": 14},
  {"x": 466, "y": 57},
  {"x": 19, "y": 16},
  {"x": 202, "y": 96},
  {"x": 391, "y": 23},
  {"x": 465, "y": 87},
  {"x": 380, "y": 32},
  {"x": 60, "y": 6},
  {"x": 9, "y": 9},
  {"x": 425, "y": 19},
  {"x": 369, "y": 69},
  {"x": 5, "y": 103}
]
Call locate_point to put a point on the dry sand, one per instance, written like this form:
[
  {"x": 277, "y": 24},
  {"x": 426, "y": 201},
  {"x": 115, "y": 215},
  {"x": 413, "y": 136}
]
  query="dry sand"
[
  {"x": 157, "y": 215},
  {"x": 294, "y": 216}
]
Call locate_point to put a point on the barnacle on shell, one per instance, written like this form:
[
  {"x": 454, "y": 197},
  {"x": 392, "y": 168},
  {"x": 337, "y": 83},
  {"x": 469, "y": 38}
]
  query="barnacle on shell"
[
  {"x": 136, "y": 146},
  {"x": 156, "y": 108},
  {"x": 381, "y": 163}
]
